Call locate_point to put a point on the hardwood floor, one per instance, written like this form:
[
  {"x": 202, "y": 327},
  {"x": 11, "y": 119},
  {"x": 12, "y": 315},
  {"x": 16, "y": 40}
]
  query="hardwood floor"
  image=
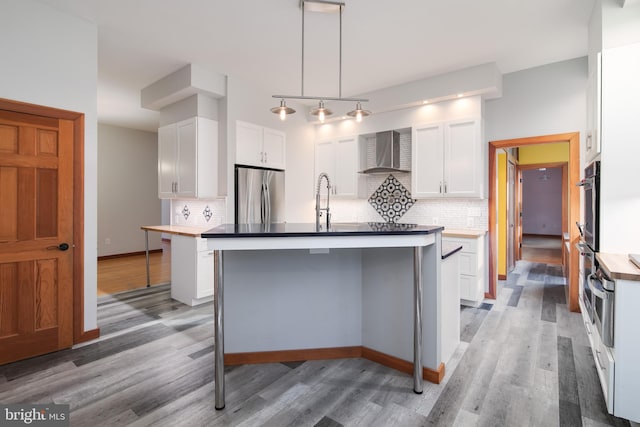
[
  {"x": 130, "y": 272},
  {"x": 523, "y": 360},
  {"x": 543, "y": 249}
]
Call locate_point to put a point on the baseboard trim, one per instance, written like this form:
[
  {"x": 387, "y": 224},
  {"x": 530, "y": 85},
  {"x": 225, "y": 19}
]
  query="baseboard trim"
[
  {"x": 431, "y": 375},
  {"x": 89, "y": 335},
  {"x": 291, "y": 355},
  {"x": 502, "y": 277},
  {"x": 104, "y": 257}
]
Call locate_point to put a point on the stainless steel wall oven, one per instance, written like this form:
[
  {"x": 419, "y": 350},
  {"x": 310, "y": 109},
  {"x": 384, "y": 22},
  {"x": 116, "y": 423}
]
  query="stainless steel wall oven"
[{"x": 589, "y": 234}]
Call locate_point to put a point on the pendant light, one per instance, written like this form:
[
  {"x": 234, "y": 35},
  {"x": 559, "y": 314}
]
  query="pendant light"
[
  {"x": 359, "y": 113},
  {"x": 321, "y": 111},
  {"x": 323, "y": 6},
  {"x": 283, "y": 110}
]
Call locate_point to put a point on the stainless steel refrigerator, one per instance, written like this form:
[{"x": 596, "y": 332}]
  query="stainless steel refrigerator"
[{"x": 259, "y": 195}]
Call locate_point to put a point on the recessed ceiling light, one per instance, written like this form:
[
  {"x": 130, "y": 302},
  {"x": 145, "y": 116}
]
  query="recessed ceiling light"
[
  {"x": 460, "y": 95},
  {"x": 426, "y": 101}
]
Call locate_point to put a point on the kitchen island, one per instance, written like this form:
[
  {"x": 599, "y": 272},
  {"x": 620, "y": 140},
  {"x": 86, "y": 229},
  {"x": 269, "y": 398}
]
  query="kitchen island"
[{"x": 289, "y": 292}]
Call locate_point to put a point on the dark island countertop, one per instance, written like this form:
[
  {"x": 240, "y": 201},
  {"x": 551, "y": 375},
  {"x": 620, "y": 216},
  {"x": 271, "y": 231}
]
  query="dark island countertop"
[
  {"x": 309, "y": 230},
  {"x": 449, "y": 248}
]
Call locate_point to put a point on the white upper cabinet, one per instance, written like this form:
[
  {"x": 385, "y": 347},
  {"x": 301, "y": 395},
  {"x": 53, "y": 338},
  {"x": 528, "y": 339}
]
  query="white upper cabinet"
[
  {"x": 188, "y": 159},
  {"x": 427, "y": 155},
  {"x": 260, "y": 146},
  {"x": 447, "y": 159},
  {"x": 594, "y": 111},
  {"x": 340, "y": 159}
]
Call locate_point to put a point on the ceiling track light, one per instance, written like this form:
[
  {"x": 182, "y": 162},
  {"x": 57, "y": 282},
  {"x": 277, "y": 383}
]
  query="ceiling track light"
[{"x": 321, "y": 111}]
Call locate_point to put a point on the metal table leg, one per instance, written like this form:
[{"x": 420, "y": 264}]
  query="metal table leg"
[
  {"x": 417, "y": 319},
  {"x": 218, "y": 322},
  {"x": 146, "y": 251}
]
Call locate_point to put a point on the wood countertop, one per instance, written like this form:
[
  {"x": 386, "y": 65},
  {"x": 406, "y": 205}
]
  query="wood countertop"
[
  {"x": 452, "y": 232},
  {"x": 182, "y": 230},
  {"x": 618, "y": 266}
]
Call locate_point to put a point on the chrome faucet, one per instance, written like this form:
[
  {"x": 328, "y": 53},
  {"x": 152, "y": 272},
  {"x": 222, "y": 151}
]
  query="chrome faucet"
[{"x": 318, "y": 208}]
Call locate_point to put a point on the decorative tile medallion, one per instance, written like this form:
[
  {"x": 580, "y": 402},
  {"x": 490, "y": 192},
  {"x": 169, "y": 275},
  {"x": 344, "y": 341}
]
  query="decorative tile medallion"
[
  {"x": 208, "y": 213},
  {"x": 391, "y": 200},
  {"x": 186, "y": 212}
]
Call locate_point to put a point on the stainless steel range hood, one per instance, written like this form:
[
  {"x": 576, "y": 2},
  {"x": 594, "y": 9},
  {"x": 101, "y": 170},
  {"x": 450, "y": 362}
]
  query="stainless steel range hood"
[{"x": 387, "y": 153}]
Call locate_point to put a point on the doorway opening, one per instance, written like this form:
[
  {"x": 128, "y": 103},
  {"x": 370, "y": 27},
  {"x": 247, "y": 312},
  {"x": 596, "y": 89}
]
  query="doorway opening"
[
  {"x": 571, "y": 212},
  {"x": 544, "y": 208}
]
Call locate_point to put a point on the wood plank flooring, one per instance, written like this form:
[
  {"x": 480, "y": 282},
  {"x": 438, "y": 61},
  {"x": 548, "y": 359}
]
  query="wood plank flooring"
[
  {"x": 523, "y": 360},
  {"x": 542, "y": 249},
  {"x": 130, "y": 272}
]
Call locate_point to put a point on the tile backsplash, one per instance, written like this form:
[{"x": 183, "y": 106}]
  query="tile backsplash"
[
  {"x": 452, "y": 213},
  {"x": 198, "y": 213}
]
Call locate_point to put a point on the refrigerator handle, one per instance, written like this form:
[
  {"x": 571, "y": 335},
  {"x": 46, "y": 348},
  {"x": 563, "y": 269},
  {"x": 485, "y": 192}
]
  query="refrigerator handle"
[
  {"x": 262, "y": 204},
  {"x": 267, "y": 197}
]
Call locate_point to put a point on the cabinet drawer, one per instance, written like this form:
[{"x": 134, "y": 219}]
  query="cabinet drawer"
[
  {"x": 468, "y": 245},
  {"x": 468, "y": 263}
]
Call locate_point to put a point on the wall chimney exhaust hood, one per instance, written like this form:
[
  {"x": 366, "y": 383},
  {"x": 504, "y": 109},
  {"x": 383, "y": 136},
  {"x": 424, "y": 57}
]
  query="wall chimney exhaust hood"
[{"x": 387, "y": 153}]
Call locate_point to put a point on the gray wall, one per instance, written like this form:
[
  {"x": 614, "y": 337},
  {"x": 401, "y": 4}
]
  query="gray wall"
[
  {"x": 127, "y": 189},
  {"x": 542, "y": 202}
]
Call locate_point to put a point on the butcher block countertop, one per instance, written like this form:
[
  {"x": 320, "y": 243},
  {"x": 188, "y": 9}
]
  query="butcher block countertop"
[
  {"x": 182, "y": 230},
  {"x": 618, "y": 266},
  {"x": 452, "y": 232}
]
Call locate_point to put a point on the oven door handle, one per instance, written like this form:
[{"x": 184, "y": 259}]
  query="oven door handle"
[{"x": 597, "y": 290}]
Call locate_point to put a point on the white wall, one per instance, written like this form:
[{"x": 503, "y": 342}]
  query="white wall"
[
  {"x": 127, "y": 189},
  {"x": 50, "y": 58},
  {"x": 540, "y": 101}
]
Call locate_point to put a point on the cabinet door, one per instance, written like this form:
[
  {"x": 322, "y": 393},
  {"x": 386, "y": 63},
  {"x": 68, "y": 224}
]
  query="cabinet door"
[
  {"x": 167, "y": 140},
  {"x": 345, "y": 181},
  {"x": 462, "y": 159},
  {"x": 324, "y": 162},
  {"x": 204, "y": 275},
  {"x": 274, "y": 148},
  {"x": 427, "y": 161},
  {"x": 249, "y": 144},
  {"x": 594, "y": 112},
  {"x": 186, "y": 165}
]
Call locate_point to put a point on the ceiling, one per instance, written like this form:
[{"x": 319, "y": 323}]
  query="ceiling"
[{"x": 385, "y": 43}]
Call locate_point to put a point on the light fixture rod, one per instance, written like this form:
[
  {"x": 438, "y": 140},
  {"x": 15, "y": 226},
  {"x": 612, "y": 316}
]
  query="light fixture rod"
[
  {"x": 302, "y": 79},
  {"x": 324, "y": 98},
  {"x": 340, "y": 60}
]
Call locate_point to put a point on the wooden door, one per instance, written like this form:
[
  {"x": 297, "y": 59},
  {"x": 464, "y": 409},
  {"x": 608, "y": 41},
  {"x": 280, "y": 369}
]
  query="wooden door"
[{"x": 36, "y": 235}]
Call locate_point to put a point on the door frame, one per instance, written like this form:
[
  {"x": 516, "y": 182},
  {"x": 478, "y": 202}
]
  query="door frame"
[
  {"x": 79, "y": 334},
  {"x": 573, "y": 212}
]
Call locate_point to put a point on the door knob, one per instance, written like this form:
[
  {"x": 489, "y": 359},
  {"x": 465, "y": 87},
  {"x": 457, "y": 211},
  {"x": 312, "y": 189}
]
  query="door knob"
[{"x": 61, "y": 247}]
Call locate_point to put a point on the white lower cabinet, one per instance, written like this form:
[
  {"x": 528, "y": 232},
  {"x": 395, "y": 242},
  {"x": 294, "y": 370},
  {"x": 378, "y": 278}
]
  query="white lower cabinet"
[
  {"x": 473, "y": 270},
  {"x": 191, "y": 270},
  {"x": 450, "y": 277}
]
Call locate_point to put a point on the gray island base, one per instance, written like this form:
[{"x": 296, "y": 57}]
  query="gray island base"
[{"x": 290, "y": 292}]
